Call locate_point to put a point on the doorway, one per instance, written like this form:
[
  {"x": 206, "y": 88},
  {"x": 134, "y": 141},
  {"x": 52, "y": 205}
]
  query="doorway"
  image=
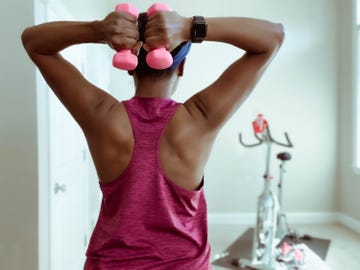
[{"x": 64, "y": 170}]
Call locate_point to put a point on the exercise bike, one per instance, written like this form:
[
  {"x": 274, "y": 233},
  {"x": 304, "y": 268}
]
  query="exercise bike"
[{"x": 271, "y": 224}]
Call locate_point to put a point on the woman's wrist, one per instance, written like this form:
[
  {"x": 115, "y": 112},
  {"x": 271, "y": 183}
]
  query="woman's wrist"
[
  {"x": 98, "y": 31},
  {"x": 187, "y": 24}
]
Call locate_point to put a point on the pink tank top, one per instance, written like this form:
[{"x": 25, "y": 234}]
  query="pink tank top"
[{"x": 146, "y": 221}]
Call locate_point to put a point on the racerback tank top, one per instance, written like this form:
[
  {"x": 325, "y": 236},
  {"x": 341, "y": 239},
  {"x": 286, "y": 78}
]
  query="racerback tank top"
[{"x": 146, "y": 221}]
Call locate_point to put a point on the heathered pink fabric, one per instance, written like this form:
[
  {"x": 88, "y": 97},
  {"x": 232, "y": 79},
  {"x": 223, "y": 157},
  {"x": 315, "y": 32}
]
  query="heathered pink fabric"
[{"x": 146, "y": 221}]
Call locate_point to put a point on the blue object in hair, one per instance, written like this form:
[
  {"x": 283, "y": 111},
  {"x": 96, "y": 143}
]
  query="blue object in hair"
[{"x": 179, "y": 53}]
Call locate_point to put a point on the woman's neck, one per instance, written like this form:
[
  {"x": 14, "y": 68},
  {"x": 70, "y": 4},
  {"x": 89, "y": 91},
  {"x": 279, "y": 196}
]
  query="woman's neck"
[{"x": 150, "y": 87}]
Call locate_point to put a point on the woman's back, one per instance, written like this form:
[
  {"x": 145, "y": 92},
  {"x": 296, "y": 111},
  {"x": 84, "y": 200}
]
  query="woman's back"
[{"x": 147, "y": 221}]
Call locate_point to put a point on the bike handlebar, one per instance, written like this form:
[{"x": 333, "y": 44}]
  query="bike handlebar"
[{"x": 269, "y": 138}]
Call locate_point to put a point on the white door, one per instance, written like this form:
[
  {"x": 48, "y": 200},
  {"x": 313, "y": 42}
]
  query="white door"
[{"x": 68, "y": 176}]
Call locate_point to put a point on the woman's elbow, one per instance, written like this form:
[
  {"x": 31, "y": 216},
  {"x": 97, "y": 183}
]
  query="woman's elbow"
[
  {"x": 279, "y": 35},
  {"x": 25, "y": 37},
  {"x": 274, "y": 38}
]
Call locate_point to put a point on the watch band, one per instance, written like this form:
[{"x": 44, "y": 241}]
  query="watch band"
[{"x": 198, "y": 29}]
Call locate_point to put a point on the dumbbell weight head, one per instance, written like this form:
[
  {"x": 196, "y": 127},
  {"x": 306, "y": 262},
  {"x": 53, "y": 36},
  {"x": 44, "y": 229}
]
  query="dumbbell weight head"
[
  {"x": 159, "y": 58},
  {"x": 156, "y": 7},
  {"x": 124, "y": 59}
]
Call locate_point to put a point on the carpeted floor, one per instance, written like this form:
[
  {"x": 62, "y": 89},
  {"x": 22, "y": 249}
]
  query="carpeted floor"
[{"x": 343, "y": 254}]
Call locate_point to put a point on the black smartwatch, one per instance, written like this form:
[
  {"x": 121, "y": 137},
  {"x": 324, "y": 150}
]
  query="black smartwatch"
[{"x": 198, "y": 29}]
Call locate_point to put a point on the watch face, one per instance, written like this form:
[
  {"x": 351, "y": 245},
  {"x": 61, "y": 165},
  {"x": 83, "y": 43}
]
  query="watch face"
[{"x": 199, "y": 29}]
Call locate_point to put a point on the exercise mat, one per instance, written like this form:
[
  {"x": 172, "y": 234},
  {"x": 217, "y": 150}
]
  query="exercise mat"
[{"x": 242, "y": 248}]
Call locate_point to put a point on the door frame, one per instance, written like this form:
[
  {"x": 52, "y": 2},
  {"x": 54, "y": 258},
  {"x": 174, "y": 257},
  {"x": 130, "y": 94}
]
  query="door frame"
[{"x": 43, "y": 140}]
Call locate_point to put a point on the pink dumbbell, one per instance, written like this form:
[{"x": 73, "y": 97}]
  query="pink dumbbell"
[
  {"x": 124, "y": 59},
  {"x": 159, "y": 58}
]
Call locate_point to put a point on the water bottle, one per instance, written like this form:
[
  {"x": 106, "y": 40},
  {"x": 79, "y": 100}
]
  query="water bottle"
[
  {"x": 260, "y": 124},
  {"x": 265, "y": 230}
]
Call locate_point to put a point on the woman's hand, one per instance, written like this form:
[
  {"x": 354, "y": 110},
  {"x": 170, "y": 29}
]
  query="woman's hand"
[
  {"x": 166, "y": 28},
  {"x": 119, "y": 30}
]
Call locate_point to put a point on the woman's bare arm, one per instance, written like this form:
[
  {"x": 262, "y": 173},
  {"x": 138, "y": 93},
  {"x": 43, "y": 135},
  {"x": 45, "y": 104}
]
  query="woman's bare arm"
[
  {"x": 44, "y": 42},
  {"x": 260, "y": 40}
]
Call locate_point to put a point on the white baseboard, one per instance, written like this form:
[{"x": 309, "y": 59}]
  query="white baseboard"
[
  {"x": 312, "y": 218},
  {"x": 349, "y": 222},
  {"x": 249, "y": 219}
]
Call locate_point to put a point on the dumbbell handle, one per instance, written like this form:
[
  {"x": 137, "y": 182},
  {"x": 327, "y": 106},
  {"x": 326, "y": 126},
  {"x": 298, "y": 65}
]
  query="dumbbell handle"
[
  {"x": 159, "y": 58},
  {"x": 124, "y": 59}
]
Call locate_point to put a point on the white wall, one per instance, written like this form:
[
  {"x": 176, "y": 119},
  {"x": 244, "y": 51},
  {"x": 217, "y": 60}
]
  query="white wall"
[
  {"x": 18, "y": 143},
  {"x": 297, "y": 94},
  {"x": 85, "y": 10},
  {"x": 349, "y": 182}
]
